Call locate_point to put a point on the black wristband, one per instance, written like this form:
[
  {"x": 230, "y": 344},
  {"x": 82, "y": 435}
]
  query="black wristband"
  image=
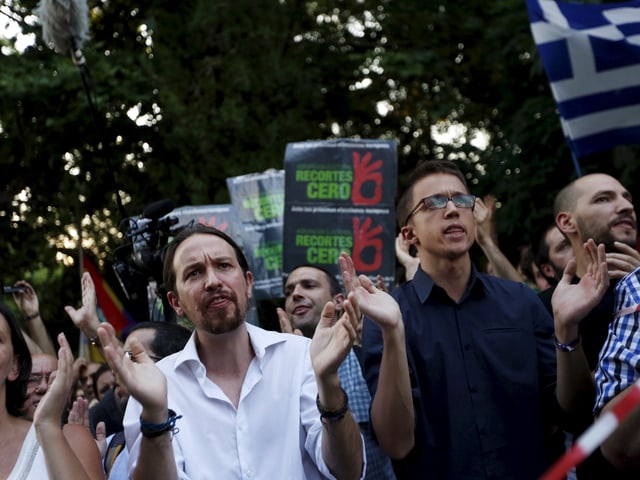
[
  {"x": 32, "y": 317},
  {"x": 153, "y": 430},
  {"x": 333, "y": 415}
]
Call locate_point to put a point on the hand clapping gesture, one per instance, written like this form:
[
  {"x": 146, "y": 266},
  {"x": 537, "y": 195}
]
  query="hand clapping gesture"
[
  {"x": 137, "y": 372},
  {"x": 572, "y": 302},
  {"x": 285, "y": 323},
  {"x": 332, "y": 341},
  {"x": 375, "y": 303},
  {"x": 86, "y": 317},
  {"x": 52, "y": 405},
  {"x": 70, "y": 453}
]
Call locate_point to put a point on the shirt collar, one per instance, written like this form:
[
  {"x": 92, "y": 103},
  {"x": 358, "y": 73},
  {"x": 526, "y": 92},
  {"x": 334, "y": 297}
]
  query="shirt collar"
[
  {"x": 423, "y": 284},
  {"x": 260, "y": 340}
]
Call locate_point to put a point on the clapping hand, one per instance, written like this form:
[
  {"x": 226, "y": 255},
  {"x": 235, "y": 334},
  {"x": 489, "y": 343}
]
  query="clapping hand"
[
  {"x": 285, "y": 323},
  {"x": 332, "y": 341},
  {"x": 572, "y": 302},
  {"x": 86, "y": 317},
  {"x": 375, "y": 303},
  {"x": 136, "y": 371},
  {"x": 51, "y": 407}
]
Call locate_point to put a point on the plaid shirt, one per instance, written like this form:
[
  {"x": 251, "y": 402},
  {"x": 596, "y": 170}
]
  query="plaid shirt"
[
  {"x": 619, "y": 363},
  {"x": 378, "y": 464}
]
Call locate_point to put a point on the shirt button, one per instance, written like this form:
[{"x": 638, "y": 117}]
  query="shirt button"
[
  {"x": 473, "y": 389},
  {"x": 467, "y": 347},
  {"x": 248, "y": 473}
]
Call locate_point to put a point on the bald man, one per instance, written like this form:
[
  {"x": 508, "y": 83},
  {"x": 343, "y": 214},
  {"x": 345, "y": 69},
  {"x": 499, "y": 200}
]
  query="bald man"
[{"x": 598, "y": 207}]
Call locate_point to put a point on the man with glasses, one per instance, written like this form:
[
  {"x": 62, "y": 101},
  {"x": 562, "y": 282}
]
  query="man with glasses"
[
  {"x": 480, "y": 350},
  {"x": 42, "y": 366}
]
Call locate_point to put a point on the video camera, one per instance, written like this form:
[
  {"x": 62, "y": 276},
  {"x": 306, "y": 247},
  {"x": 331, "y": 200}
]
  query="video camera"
[{"x": 139, "y": 262}]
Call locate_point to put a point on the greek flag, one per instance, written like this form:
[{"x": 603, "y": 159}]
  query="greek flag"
[{"x": 591, "y": 53}]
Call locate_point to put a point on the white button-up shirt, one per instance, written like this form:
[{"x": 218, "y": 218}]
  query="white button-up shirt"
[{"x": 274, "y": 433}]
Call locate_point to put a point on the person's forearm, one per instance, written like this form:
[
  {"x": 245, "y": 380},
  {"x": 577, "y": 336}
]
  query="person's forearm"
[
  {"x": 576, "y": 388},
  {"x": 341, "y": 440},
  {"x": 34, "y": 348},
  {"x": 622, "y": 448},
  {"x": 38, "y": 332},
  {"x": 156, "y": 459},
  {"x": 59, "y": 458},
  {"x": 342, "y": 447},
  {"x": 502, "y": 267},
  {"x": 575, "y": 383},
  {"x": 395, "y": 433}
]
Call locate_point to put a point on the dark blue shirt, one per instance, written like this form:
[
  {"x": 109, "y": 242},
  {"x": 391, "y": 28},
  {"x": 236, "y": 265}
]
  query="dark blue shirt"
[{"x": 483, "y": 375}]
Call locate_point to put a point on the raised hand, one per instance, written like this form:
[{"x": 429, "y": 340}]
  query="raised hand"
[
  {"x": 622, "y": 262},
  {"x": 79, "y": 413},
  {"x": 51, "y": 407},
  {"x": 101, "y": 438},
  {"x": 86, "y": 317},
  {"x": 332, "y": 342},
  {"x": 136, "y": 371},
  {"x": 375, "y": 303},
  {"x": 483, "y": 215},
  {"x": 408, "y": 261},
  {"x": 572, "y": 302},
  {"x": 380, "y": 283},
  {"x": 285, "y": 323},
  {"x": 26, "y": 299}
]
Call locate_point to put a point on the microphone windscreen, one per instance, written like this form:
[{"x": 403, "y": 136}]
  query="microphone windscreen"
[
  {"x": 158, "y": 209},
  {"x": 65, "y": 23}
]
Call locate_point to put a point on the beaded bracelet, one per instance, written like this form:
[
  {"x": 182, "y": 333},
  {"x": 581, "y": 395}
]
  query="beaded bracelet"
[
  {"x": 152, "y": 430},
  {"x": 333, "y": 415}
]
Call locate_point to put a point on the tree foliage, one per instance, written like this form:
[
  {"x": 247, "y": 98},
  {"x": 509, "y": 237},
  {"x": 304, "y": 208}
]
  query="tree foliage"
[{"x": 178, "y": 96}]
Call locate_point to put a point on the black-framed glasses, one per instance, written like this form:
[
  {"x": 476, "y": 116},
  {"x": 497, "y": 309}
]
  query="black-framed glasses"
[{"x": 438, "y": 201}]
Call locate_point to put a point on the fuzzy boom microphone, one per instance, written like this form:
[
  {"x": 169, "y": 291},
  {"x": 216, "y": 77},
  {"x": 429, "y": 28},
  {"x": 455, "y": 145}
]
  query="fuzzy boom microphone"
[{"x": 65, "y": 26}]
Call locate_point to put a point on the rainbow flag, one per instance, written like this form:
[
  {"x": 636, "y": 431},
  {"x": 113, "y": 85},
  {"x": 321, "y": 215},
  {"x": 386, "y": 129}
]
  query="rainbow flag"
[{"x": 108, "y": 302}]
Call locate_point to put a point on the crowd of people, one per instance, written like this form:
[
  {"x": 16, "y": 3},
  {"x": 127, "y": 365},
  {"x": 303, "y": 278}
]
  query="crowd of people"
[{"x": 456, "y": 372}]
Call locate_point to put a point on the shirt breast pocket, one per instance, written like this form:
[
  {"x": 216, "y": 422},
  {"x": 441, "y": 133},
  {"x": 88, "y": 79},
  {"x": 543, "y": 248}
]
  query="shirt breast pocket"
[{"x": 510, "y": 354}]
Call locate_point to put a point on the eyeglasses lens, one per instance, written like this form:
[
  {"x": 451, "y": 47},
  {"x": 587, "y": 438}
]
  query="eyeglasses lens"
[{"x": 440, "y": 201}]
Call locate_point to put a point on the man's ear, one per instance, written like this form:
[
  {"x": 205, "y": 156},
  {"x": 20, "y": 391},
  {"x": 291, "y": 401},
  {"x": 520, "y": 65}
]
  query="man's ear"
[
  {"x": 409, "y": 235},
  {"x": 249, "y": 278},
  {"x": 547, "y": 270},
  {"x": 565, "y": 222},
  {"x": 174, "y": 301}
]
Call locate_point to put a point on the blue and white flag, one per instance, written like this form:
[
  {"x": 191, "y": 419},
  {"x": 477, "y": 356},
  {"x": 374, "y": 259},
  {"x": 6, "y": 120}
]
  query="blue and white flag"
[{"x": 591, "y": 53}]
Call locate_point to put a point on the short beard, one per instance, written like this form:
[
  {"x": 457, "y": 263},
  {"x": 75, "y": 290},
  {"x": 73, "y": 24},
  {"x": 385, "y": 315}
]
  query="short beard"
[
  {"x": 604, "y": 236},
  {"x": 226, "y": 325}
]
